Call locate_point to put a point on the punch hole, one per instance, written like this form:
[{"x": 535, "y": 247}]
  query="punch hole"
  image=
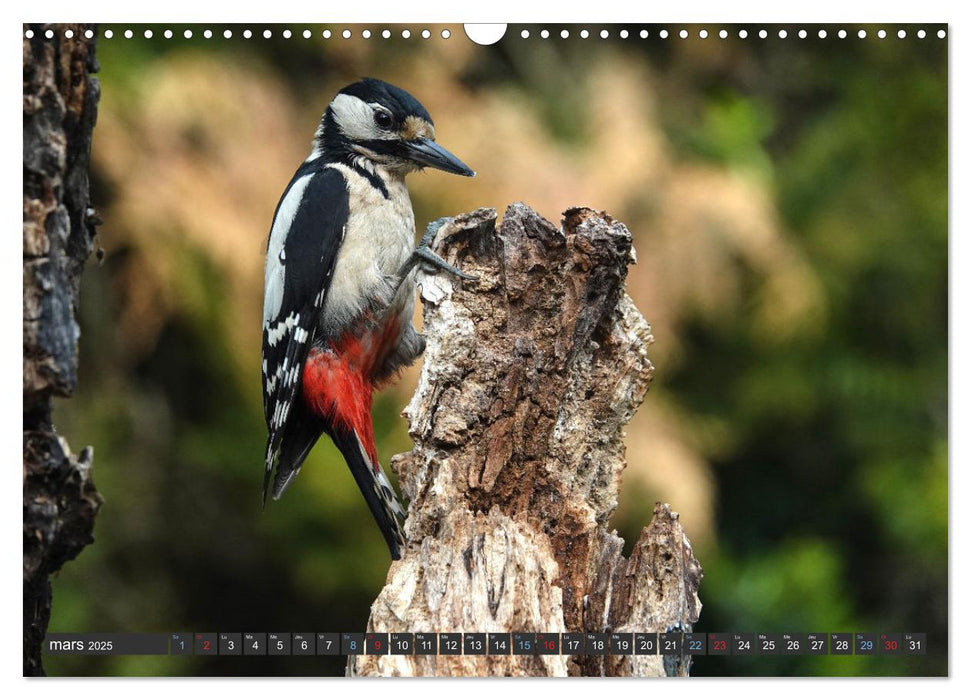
[
  {"x": 921, "y": 34},
  {"x": 425, "y": 34},
  {"x": 148, "y": 34},
  {"x": 50, "y": 33},
  {"x": 208, "y": 34},
  {"x": 108, "y": 33},
  {"x": 861, "y": 33},
  {"x": 624, "y": 34},
  {"x": 386, "y": 34},
  {"x": 643, "y": 34},
  {"x": 822, "y": 34},
  {"x": 882, "y": 34},
  {"x": 524, "y": 34},
  {"x": 485, "y": 34},
  {"x": 723, "y": 34},
  {"x": 743, "y": 34},
  {"x": 604, "y": 33},
  {"x": 346, "y": 33},
  {"x": 286, "y": 34},
  {"x": 267, "y": 34},
  {"x": 703, "y": 33},
  {"x": 366, "y": 33},
  {"x": 447, "y": 33},
  {"x": 663, "y": 34},
  {"x": 68, "y": 34},
  {"x": 88, "y": 34},
  {"x": 941, "y": 34},
  {"x": 307, "y": 34},
  {"x": 247, "y": 34},
  {"x": 803, "y": 34},
  {"x": 545, "y": 34},
  {"x": 406, "y": 34},
  {"x": 29, "y": 34},
  {"x": 228, "y": 34},
  {"x": 841, "y": 34},
  {"x": 564, "y": 34},
  {"x": 783, "y": 33},
  {"x": 584, "y": 34},
  {"x": 763, "y": 34},
  {"x": 901, "y": 34},
  {"x": 683, "y": 34},
  {"x": 129, "y": 33}
]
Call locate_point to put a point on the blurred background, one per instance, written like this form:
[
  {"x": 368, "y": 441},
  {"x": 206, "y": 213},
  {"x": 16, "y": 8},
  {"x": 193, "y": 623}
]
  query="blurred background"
[{"x": 788, "y": 200}]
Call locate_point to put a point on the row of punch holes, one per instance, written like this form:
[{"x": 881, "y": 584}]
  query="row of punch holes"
[{"x": 525, "y": 34}]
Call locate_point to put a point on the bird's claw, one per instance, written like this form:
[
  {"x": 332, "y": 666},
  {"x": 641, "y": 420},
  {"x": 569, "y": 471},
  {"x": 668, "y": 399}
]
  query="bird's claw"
[{"x": 430, "y": 261}]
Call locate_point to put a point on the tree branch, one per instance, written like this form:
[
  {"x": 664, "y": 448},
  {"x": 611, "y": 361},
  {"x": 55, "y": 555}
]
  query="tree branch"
[
  {"x": 60, "y": 500},
  {"x": 530, "y": 375}
]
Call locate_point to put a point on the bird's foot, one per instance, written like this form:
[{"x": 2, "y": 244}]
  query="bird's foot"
[{"x": 429, "y": 260}]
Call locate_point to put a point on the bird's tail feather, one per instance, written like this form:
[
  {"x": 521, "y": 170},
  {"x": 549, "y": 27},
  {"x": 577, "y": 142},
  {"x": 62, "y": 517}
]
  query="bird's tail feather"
[{"x": 375, "y": 487}]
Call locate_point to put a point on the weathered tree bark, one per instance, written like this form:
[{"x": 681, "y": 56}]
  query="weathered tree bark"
[
  {"x": 60, "y": 500},
  {"x": 530, "y": 375}
]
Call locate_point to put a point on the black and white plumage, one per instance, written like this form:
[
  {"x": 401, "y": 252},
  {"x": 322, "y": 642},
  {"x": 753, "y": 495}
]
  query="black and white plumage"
[{"x": 339, "y": 287}]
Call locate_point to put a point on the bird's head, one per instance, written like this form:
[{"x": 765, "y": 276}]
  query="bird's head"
[{"x": 380, "y": 122}]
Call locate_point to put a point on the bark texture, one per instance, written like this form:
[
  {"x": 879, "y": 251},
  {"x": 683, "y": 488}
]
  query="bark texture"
[
  {"x": 530, "y": 374},
  {"x": 60, "y": 500}
]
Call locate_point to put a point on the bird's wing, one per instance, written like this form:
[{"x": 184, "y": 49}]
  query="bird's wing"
[{"x": 308, "y": 229}]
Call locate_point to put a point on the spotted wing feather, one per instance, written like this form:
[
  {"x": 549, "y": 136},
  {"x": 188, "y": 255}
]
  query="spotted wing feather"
[{"x": 308, "y": 228}]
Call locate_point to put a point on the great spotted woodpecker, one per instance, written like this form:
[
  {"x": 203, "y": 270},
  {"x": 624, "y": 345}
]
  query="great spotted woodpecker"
[{"x": 340, "y": 286}]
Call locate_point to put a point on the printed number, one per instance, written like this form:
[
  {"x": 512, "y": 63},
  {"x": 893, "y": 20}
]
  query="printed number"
[
  {"x": 205, "y": 645},
  {"x": 744, "y": 645},
  {"x": 328, "y": 642},
  {"x": 768, "y": 645},
  {"x": 598, "y": 644},
  {"x": 230, "y": 644},
  {"x": 866, "y": 645},
  {"x": 572, "y": 644},
  {"x": 842, "y": 645},
  {"x": 721, "y": 645},
  {"x": 476, "y": 644},
  {"x": 694, "y": 645},
  {"x": 670, "y": 645},
  {"x": 792, "y": 644},
  {"x": 890, "y": 644},
  {"x": 817, "y": 644},
  {"x": 914, "y": 644},
  {"x": 353, "y": 645},
  {"x": 549, "y": 645}
]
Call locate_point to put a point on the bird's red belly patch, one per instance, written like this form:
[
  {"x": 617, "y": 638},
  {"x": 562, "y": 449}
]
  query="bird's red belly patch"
[{"x": 337, "y": 382}]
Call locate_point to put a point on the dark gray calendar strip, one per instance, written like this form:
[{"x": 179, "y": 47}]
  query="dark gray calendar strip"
[{"x": 490, "y": 643}]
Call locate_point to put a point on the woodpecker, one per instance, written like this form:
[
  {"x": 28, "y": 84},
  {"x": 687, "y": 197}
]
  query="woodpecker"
[{"x": 340, "y": 287}]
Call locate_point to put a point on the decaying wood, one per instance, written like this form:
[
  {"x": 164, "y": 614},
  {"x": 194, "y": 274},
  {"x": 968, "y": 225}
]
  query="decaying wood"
[
  {"x": 530, "y": 375},
  {"x": 60, "y": 500}
]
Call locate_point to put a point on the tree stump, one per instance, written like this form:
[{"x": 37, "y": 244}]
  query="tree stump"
[
  {"x": 60, "y": 500},
  {"x": 530, "y": 374}
]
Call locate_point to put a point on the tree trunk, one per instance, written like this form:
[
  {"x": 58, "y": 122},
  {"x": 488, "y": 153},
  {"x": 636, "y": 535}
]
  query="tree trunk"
[
  {"x": 60, "y": 500},
  {"x": 530, "y": 375}
]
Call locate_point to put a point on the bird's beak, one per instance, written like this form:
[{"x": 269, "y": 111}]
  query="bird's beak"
[{"x": 427, "y": 152}]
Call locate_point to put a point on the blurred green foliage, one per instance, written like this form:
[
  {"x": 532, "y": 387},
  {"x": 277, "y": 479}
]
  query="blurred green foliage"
[{"x": 827, "y": 446}]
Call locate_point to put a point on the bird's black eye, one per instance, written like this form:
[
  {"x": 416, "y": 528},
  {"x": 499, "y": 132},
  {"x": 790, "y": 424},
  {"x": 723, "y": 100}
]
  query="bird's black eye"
[{"x": 382, "y": 119}]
